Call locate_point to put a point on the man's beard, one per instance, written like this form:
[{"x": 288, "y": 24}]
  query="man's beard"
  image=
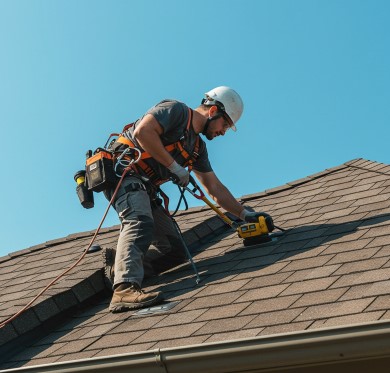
[
  {"x": 206, "y": 129},
  {"x": 208, "y": 135}
]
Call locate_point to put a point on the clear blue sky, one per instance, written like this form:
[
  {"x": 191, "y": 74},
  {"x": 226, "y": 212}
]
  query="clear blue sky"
[{"x": 314, "y": 76}]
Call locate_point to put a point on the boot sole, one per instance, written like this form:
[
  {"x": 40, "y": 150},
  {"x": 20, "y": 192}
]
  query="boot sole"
[{"x": 124, "y": 306}]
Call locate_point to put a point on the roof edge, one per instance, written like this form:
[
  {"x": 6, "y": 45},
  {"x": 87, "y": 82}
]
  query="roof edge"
[{"x": 334, "y": 347}]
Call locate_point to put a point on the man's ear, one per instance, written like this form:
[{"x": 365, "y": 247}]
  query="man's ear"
[{"x": 213, "y": 110}]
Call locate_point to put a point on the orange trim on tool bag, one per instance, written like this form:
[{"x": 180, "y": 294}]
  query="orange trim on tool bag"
[{"x": 100, "y": 155}]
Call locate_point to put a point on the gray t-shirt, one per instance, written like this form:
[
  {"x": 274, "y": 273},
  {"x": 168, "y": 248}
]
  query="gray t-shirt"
[{"x": 172, "y": 115}]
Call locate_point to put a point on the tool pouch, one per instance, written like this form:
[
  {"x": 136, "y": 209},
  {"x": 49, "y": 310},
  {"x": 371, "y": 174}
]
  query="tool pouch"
[
  {"x": 85, "y": 195},
  {"x": 100, "y": 171}
]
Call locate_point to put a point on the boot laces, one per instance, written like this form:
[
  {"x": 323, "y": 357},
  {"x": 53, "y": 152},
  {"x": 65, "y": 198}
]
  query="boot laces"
[{"x": 137, "y": 288}]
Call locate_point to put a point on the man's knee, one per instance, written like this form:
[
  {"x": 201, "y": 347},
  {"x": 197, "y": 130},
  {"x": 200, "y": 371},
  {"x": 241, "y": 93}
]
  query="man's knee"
[{"x": 139, "y": 230}]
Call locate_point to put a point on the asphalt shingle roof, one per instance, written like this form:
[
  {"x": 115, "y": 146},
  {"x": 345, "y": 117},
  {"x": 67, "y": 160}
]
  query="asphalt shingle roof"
[{"x": 331, "y": 268}]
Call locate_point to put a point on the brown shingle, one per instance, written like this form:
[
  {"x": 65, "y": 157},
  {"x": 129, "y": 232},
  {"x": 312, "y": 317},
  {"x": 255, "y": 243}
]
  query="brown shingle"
[
  {"x": 362, "y": 278},
  {"x": 76, "y": 333},
  {"x": 99, "y": 330},
  {"x": 270, "y": 305},
  {"x": 360, "y": 266},
  {"x": 214, "y": 301},
  {"x": 181, "y": 318},
  {"x": 361, "y": 195},
  {"x": 220, "y": 288},
  {"x": 26, "y": 322},
  {"x": 108, "y": 341},
  {"x": 166, "y": 333},
  {"x": 306, "y": 274},
  {"x": 334, "y": 309},
  {"x": 78, "y": 356},
  {"x": 337, "y": 213},
  {"x": 237, "y": 334},
  {"x": 138, "y": 324},
  {"x": 275, "y": 318},
  {"x": 39, "y": 352},
  {"x": 221, "y": 325},
  {"x": 335, "y": 248},
  {"x": 224, "y": 312},
  {"x": 119, "y": 350},
  {"x": 309, "y": 286},
  {"x": 351, "y": 256},
  {"x": 286, "y": 328},
  {"x": 177, "y": 342},
  {"x": 320, "y": 297},
  {"x": 380, "y": 303},
  {"x": 42, "y": 361},
  {"x": 261, "y": 281},
  {"x": 262, "y": 293},
  {"x": 346, "y": 320},
  {"x": 296, "y": 265},
  {"x": 368, "y": 290},
  {"x": 77, "y": 346}
]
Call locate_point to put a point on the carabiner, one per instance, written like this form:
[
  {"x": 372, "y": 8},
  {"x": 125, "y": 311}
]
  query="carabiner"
[{"x": 196, "y": 188}]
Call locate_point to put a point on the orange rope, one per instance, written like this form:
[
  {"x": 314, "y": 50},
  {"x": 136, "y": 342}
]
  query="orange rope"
[{"x": 4, "y": 323}]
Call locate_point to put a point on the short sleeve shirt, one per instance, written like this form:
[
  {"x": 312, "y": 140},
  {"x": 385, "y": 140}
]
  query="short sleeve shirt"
[{"x": 172, "y": 116}]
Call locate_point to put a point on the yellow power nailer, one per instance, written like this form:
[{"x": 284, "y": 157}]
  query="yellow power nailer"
[{"x": 253, "y": 232}]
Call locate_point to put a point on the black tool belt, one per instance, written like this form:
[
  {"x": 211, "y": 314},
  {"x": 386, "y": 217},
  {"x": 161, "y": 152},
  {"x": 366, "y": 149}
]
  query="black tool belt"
[{"x": 132, "y": 187}]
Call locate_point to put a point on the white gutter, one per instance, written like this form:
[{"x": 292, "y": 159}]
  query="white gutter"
[{"x": 360, "y": 347}]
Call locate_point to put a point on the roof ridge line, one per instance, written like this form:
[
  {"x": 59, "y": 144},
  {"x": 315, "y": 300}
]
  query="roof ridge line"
[
  {"x": 358, "y": 163},
  {"x": 295, "y": 183},
  {"x": 55, "y": 242},
  {"x": 361, "y": 164},
  {"x": 196, "y": 231}
]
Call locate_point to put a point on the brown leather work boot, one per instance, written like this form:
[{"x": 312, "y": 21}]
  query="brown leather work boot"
[{"x": 129, "y": 296}]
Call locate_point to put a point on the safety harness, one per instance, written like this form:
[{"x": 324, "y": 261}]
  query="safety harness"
[{"x": 177, "y": 148}]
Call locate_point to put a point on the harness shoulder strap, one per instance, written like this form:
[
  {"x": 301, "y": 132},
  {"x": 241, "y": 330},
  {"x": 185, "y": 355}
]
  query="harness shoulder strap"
[
  {"x": 190, "y": 114},
  {"x": 127, "y": 126},
  {"x": 179, "y": 145},
  {"x": 124, "y": 140}
]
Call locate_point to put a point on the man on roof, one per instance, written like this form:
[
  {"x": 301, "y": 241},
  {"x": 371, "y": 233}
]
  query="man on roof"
[{"x": 148, "y": 242}]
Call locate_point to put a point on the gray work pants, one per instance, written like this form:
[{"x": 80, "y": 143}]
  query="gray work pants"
[{"x": 148, "y": 241}]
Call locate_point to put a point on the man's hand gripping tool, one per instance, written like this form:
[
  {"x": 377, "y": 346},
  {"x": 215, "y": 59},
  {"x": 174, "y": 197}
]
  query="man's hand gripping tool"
[{"x": 254, "y": 231}]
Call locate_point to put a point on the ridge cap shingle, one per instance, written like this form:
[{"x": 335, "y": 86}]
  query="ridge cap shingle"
[
  {"x": 368, "y": 165},
  {"x": 50, "y": 307},
  {"x": 359, "y": 163},
  {"x": 294, "y": 183}
]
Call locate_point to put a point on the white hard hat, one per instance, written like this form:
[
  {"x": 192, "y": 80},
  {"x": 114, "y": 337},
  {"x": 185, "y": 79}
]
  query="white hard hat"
[{"x": 228, "y": 100}]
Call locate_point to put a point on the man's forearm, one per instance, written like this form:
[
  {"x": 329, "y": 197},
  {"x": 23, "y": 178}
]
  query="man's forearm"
[
  {"x": 226, "y": 200},
  {"x": 218, "y": 192},
  {"x": 153, "y": 145}
]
